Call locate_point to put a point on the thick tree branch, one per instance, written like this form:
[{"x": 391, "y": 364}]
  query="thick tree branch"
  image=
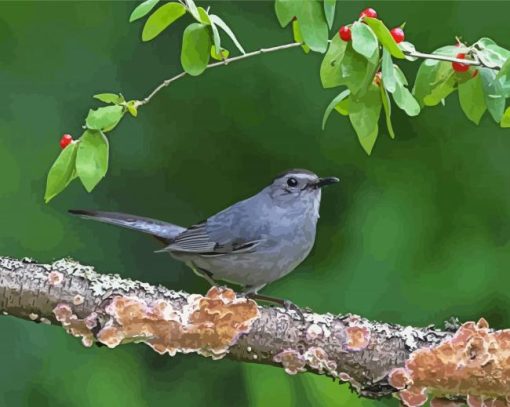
[{"x": 377, "y": 359}]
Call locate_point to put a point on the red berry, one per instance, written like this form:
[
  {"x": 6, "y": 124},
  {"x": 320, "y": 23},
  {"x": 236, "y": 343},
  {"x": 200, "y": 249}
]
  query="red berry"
[
  {"x": 66, "y": 140},
  {"x": 398, "y": 34},
  {"x": 458, "y": 66},
  {"x": 368, "y": 12},
  {"x": 345, "y": 33}
]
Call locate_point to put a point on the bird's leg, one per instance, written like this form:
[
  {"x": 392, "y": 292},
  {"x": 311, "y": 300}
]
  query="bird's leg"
[
  {"x": 207, "y": 275},
  {"x": 251, "y": 292}
]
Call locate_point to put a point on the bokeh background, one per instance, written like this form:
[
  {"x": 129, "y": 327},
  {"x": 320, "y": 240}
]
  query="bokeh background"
[{"x": 415, "y": 234}]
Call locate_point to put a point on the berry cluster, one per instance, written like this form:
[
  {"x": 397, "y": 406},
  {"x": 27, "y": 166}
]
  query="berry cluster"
[{"x": 345, "y": 31}]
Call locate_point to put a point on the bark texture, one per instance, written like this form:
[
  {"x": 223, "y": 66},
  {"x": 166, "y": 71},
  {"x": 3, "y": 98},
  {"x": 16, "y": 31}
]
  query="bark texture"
[{"x": 376, "y": 359}]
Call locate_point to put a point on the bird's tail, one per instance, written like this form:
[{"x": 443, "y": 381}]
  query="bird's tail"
[{"x": 163, "y": 231}]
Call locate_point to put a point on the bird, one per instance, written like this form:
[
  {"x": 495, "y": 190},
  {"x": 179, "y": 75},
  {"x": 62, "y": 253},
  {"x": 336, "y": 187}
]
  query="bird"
[{"x": 251, "y": 243}]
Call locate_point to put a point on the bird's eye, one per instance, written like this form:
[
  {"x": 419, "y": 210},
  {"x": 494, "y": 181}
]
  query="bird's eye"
[{"x": 292, "y": 182}]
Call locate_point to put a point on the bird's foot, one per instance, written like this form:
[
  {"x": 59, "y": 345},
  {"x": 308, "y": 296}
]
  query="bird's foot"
[{"x": 290, "y": 307}]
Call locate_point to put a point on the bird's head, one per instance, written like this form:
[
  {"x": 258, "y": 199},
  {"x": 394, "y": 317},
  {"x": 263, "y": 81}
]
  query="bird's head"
[{"x": 298, "y": 185}]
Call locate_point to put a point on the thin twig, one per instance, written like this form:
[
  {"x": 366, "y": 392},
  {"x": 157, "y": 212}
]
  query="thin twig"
[
  {"x": 227, "y": 61},
  {"x": 415, "y": 54},
  {"x": 474, "y": 62}
]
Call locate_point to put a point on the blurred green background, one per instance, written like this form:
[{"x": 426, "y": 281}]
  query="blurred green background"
[{"x": 413, "y": 235}]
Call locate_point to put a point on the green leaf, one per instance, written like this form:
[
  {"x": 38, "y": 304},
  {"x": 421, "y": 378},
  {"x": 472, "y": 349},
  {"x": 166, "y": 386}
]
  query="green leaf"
[
  {"x": 61, "y": 172},
  {"x": 406, "y": 46},
  {"x": 505, "y": 69},
  {"x": 220, "y": 23},
  {"x": 142, "y": 9},
  {"x": 215, "y": 35},
  {"x": 388, "y": 72},
  {"x": 441, "y": 90},
  {"x": 312, "y": 23},
  {"x": 364, "y": 40},
  {"x": 332, "y": 105},
  {"x": 433, "y": 74},
  {"x": 493, "y": 90},
  {"x": 329, "y": 11},
  {"x": 190, "y": 4},
  {"x": 219, "y": 56},
  {"x": 353, "y": 70},
  {"x": 284, "y": 11},
  {"x": 104, "y": 118},
  {"x": 490, "y": 53},
  {"x": 343, "y": 107},
  {"x": 204, "y": 17},
  {"x": 364, "y": 116},
  {"x": 298, "y": 37},
  {"x": 331, "y": 64},
  {"x": 505, "y": 120},
  {"x": 196, "y": 46},
  {"x": 384, "y": 36},
  {"x": 385, "y": 98},
  {"x": 110, "y": 98},
  {"x": 370, "y": 71},
  {"x": 161, "y": 19},
  {"x": 403, "y": 98},
  {"x": 472, "y": 99},
  {"x": 92, "y": 158},
  {"x": 399, "y": 75}
]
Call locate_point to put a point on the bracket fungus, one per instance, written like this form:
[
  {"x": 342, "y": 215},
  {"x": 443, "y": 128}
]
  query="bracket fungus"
[
  {"x": 474, "y": 364},
  {"x": 208, "y": 324}
]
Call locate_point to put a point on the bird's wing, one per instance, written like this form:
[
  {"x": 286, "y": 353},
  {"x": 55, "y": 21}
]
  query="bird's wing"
[{"x": 199, "y": 239}]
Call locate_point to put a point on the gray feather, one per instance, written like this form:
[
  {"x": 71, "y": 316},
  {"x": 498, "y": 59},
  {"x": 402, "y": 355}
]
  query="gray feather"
[{"x": 163, "y": 230}]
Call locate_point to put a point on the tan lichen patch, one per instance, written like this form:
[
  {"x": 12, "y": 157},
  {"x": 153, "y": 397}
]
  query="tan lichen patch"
[
  {"x": 81, "y": 328},
  {"x": 474, "y": 363},
  {"x": 357, "y": 337},
  {"x": 55, "y": 278},
  {"x": 207, "y": 325}
]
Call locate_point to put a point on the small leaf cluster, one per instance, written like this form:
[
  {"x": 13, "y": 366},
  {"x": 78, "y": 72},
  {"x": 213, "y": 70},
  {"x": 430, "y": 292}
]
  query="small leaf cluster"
[
  {"x": 365, "y": 67},
  {"x": 87, "y": 157},
  {"x": 311, "y": 21},
  {"x": 201, "y": 39},
  {"x": 480, "y": 88}
]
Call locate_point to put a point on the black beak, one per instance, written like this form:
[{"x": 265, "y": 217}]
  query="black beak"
[{"x": 326, "y": 181}]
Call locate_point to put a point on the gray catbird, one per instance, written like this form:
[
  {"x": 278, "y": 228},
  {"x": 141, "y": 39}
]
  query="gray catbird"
[{"x": 251, "y": 243}]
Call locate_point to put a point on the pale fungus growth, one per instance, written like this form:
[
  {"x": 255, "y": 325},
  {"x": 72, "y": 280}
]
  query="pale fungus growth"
[
  {"x": 78, "y": 299},
  {"x": 55, "y": 278},
  {"x": 357, "y": 338}
]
